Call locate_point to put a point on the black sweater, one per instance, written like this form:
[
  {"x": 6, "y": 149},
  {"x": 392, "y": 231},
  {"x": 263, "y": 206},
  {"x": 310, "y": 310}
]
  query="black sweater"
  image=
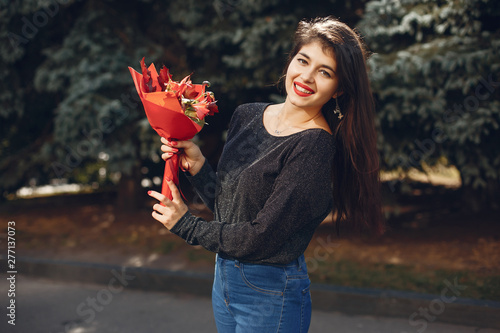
[{"x": 269, "y": 193}]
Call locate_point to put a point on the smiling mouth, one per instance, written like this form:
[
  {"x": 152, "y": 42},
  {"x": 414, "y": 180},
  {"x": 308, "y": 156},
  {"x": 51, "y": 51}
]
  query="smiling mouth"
[{"x": 302, "y": 89}]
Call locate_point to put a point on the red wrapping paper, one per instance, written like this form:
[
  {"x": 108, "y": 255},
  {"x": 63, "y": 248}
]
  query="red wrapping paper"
[{"x": 166, "y": 116}]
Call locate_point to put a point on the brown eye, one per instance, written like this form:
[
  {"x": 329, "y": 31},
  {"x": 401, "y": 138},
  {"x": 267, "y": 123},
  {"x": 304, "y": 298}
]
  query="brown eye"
[{"x": 325, "y": 73}]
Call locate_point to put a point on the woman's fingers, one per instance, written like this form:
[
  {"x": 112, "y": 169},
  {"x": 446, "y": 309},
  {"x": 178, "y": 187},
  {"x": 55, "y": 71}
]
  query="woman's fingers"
[
  {"x": 160, "y": 212},
  {"x": 191, "y": 157},
  {"x": 166, "y": 156},
  {"x": 158, "y": 216},
  {"x": 158, "y": 196},
  {"x": 169, "y": 148},
  {"x": 168, "y": 152},
  {"x": 176, "y": 196},
  {"x": 176, "y": 145},
  {"x": 171, "y": 210}
]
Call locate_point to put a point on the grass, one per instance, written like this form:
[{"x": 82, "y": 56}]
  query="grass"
[
  {"x": 419, "y": 259},
  {"x": 198, "y": 254},
  {"x": 485, "y": 286},
  {"x": 341, "y": 272},
  {"x": 166, "y": 247}
]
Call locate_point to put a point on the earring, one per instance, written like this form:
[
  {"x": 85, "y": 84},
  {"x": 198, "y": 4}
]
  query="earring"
[{"x": 337, "y": 109}]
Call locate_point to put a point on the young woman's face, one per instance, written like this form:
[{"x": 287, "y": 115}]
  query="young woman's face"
[{"x": 310, "y": 77}]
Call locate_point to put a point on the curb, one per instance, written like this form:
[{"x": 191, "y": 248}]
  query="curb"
[
  {"x": 416, "y": 307},
  {"x": 349, "y": 300}
]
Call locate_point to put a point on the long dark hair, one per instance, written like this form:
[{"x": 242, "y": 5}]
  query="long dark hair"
[{"x": 355, "y": 175}]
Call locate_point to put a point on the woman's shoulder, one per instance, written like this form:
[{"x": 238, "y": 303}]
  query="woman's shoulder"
[
  {"x": 315, "y": 135},
  {"x": 246, "y": 115},
  {"x": 314, "y": 140},
  {"x": 250, "y": 109}
]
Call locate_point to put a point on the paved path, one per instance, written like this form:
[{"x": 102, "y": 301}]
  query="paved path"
[{"x": 48, "y": 306}]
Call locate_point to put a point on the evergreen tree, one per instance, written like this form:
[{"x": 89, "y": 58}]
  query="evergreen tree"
[
  {"x": 241, "y": 46},
  {"x": 435, "y": 72},
  {"x": 69, "y": 98},
  {"x": 68, "y": 103}
]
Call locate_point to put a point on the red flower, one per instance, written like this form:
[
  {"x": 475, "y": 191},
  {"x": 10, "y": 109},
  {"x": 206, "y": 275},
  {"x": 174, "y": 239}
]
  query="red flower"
[
  {"x": 212, "y": 108},
  {"x": 175, "y": 110},
  {"x": 164, "y": 77},
  {"x": 146, "y": 77}
]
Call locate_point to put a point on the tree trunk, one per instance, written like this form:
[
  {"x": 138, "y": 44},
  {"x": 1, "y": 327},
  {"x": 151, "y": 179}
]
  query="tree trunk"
[
  {"x": 130, "y": 196},
  {"x": 481, "y": 199}
]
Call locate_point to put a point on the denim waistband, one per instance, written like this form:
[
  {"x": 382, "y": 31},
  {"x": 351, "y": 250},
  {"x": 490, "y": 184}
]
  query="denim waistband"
[{"x": 297, "y": 262}]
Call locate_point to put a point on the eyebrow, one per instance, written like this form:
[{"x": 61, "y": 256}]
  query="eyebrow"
[{"x": 309, "y": 58}]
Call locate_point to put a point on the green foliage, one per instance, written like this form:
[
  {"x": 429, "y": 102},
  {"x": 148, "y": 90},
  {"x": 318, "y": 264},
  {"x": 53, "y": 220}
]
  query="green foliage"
[
  {"x": 90, "y": 67},
  {"x": 435, "y": 72},
  {"x": 242, "y": 46},
  {"x": 66, "y": 95},
  {"x": 406, "y": 277}
]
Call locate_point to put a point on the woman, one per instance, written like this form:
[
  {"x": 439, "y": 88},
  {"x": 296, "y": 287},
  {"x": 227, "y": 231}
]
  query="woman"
[{"x": 283, "y": 168}]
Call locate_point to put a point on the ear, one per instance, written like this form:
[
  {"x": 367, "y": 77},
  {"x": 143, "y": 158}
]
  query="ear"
[{"x": 337, "y": 94}]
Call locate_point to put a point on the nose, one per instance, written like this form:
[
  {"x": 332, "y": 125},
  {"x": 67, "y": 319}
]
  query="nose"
[{"x": 307, "y": 75}]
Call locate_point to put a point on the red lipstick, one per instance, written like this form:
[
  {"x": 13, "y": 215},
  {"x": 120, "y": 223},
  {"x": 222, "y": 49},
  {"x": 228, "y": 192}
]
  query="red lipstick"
[{"x": 301, "y": 93}]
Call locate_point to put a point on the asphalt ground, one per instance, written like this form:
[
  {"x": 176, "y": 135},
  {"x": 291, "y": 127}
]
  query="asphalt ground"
[{"x": 52, "y": 306}]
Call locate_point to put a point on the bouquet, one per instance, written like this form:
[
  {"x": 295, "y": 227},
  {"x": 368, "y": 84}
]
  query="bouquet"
[{"x": 175, "y": 110}]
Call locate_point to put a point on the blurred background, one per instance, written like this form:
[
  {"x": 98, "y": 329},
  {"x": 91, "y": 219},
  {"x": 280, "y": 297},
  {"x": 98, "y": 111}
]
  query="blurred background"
[{"x": 77, "y": 154}]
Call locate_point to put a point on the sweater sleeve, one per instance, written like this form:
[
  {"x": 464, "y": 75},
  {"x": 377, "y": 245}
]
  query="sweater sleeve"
[
  {"x": 301, "y": 196},
  {"x": 204, "y": 182}
]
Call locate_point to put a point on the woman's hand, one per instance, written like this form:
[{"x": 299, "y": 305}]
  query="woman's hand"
[
  {"x": 172, "y": 210},
  {"x": 190, "y": 156}
]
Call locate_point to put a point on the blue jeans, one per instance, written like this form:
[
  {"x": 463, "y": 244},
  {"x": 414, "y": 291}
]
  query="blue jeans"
[{"x": 250, "y": 298}]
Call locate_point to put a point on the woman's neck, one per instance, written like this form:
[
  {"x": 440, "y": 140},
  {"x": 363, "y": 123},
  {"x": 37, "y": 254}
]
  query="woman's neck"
[{"x": 300, "y": 117}]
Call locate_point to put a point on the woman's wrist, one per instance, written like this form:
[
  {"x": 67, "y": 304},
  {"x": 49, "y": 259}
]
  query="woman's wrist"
[{"x": 196, "y": 167}]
